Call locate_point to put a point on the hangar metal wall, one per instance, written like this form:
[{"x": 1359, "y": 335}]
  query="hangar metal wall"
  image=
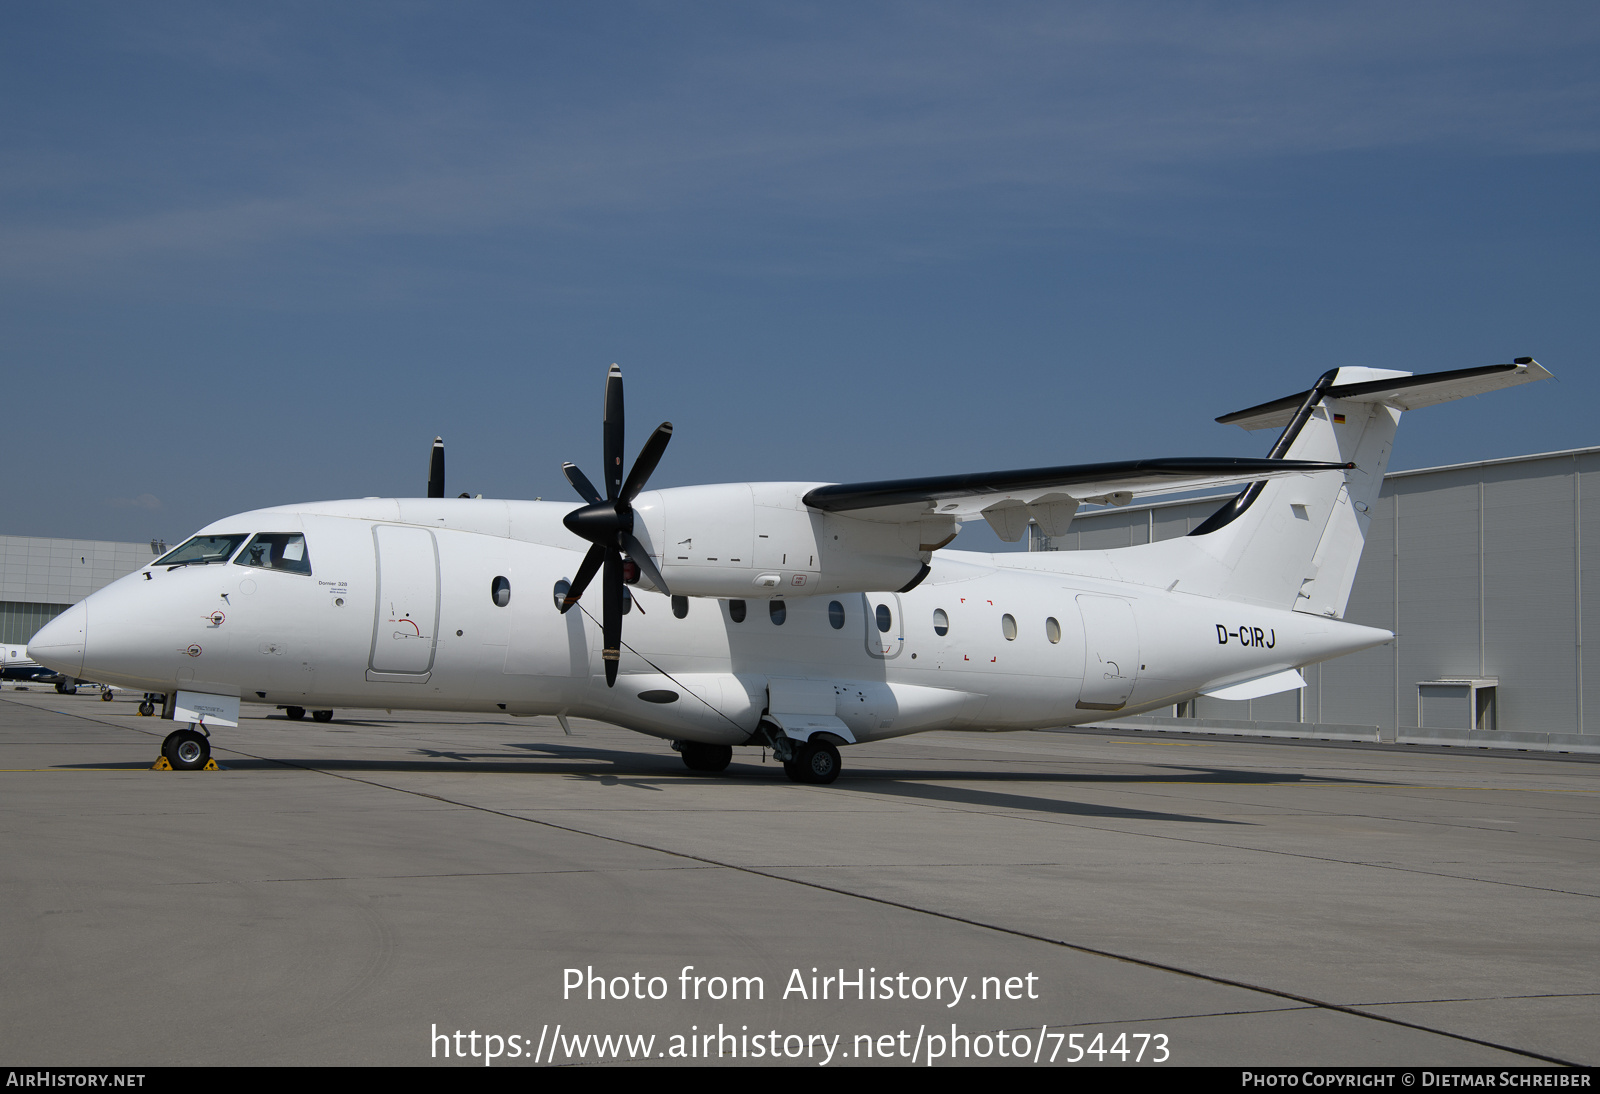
[
  {"x": 40, "y": 577},
  {"x": 1481, "y": 569}
]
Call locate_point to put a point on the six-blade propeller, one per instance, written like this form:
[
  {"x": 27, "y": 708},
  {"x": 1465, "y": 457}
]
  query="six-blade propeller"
[{"x": 607, "y": 522}]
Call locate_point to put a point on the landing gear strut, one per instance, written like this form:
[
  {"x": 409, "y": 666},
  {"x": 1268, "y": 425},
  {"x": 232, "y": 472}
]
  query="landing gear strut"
[{"x": 186, "y": 750}]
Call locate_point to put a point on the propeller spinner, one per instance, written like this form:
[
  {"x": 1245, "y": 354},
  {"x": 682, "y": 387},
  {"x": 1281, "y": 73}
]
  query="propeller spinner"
[{"x": 607, "y": 522}]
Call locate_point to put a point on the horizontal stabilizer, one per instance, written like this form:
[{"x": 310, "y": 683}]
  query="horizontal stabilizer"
[
  {"x": 1402, "y": 392},
  {"x": 967, "y": 496}
]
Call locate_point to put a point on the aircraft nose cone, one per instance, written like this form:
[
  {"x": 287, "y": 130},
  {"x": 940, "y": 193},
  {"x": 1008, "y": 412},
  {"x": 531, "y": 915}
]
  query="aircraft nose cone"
[{"x": 59, "y": 643}]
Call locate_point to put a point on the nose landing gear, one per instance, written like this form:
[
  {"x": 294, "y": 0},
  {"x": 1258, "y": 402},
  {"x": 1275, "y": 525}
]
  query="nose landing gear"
[{"x": 186, "y": 750}]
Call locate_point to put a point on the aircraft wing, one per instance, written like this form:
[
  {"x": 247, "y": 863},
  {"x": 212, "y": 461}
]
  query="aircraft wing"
[{"x": 1047, "y": 495}]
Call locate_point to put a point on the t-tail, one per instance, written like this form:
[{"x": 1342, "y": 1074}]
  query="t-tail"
[{"x": 1295, "y": 542}]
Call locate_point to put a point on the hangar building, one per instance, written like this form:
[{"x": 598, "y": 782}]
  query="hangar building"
[
  {"x": 41, "y": 578},
  {"x": 1484, "y": 572}
]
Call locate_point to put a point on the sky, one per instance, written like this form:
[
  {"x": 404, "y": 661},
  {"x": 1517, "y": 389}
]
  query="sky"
[{"x": 258, "y": 254}]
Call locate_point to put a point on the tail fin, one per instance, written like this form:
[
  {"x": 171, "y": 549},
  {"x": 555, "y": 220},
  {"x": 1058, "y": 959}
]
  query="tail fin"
[{"x": 1295, "y": 542}]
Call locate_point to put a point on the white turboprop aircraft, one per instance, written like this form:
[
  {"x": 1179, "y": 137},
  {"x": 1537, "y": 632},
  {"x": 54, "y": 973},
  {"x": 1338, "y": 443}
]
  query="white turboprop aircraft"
[{"x": 758, "y": 615}]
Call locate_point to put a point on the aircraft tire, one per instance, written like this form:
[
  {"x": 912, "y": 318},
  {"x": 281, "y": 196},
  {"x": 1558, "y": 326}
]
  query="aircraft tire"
[
  {"x": 704, "y": 757},
  {"x": 322, "y": 715},
  {"x": 67, "y": 689},
  {"x": 105, "y": 696},
  {"x": 294, "y": 714},
  {"x": 147, "y": 708},
  {"x": 186, "y": 750},
  {"x": 817, "y": 763}
]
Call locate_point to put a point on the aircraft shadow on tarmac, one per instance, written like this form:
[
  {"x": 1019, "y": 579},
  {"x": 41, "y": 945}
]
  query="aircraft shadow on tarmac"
[{"x": 654, "y": 772}]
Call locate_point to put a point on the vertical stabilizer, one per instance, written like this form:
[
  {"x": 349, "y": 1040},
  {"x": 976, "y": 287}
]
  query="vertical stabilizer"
[{"x": 1295, "y": 542}]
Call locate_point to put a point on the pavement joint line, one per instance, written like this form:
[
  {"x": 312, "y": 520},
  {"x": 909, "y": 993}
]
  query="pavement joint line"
[
  {"x": 1375, "y": 864},
  {"x": 1057, "y": 819},
  {"x": 1482, "y": 999},
  {"x": 1178, "y": 970}
]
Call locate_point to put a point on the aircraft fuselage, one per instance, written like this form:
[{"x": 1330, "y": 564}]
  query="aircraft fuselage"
[{"x": 399, "y": 610}]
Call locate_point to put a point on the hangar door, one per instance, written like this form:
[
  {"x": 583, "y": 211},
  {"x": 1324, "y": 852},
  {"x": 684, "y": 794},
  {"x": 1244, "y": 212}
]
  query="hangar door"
[{"x": 405, "y": 625}]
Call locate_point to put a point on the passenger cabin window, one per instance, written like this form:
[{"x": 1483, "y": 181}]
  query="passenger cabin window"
[
  {"x": 1052, "y": 629},
  {"x": 500, "y": 592},
  {"x": 201, "y": 550},
  {"x": 276, "y": 551},
  {"x": 884, "y": 619},
  {"x": 680, "y": 606},
  {"x": 778, "y": 612},
  {"x": 835, "y": 615},
  {"x": 736, "y": 610},
  {"x": 941, "y": 622},
  {"x": 1008, "y": 627}
]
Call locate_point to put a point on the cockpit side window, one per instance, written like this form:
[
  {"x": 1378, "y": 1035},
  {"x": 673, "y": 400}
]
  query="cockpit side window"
[
  {"x": 201, "y": 550},
  {"x": 276, "y": 551}
]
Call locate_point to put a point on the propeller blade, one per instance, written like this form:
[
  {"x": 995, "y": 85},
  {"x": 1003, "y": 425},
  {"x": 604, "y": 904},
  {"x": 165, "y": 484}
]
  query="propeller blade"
[
  {"x": 436, "y": 469},
  {"x": 586, "y": 572},
  {"x": 580, "y": 482},
  {"x": 645, "y": 465},
  {"x": 641, "y": 558},
  {"x": 613, "y": 433},
  {"x": 612, "y": 582}
]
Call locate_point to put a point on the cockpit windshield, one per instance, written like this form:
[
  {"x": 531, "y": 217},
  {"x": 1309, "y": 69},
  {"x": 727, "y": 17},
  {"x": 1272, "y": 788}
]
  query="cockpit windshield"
[
  {"x": 276, "y": 551},
  {"x": 202, "y": 550}
]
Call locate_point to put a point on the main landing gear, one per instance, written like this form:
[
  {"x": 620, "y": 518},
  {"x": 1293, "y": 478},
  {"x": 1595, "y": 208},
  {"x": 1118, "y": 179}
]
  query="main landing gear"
[
  {"x": 186, "y": 750},
  {"x": 815, "y": 762},
  {"x": 294, "y": 714},
  {"x": 704, "y": 757}
]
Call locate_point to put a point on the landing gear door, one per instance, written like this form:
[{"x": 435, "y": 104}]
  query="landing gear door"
[
  {"x": 886, "y": 629},
  {"x": 1110, "y": 652},
  {"x": 405, "y": 626}
]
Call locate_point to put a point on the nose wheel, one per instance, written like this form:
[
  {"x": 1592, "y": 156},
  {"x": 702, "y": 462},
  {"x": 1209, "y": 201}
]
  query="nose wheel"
[{"x": 186, "y": 750}]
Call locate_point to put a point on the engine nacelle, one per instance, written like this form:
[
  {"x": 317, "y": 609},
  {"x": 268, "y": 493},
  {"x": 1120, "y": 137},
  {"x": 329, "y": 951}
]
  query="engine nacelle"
[{"x": 759, "y": 540}]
